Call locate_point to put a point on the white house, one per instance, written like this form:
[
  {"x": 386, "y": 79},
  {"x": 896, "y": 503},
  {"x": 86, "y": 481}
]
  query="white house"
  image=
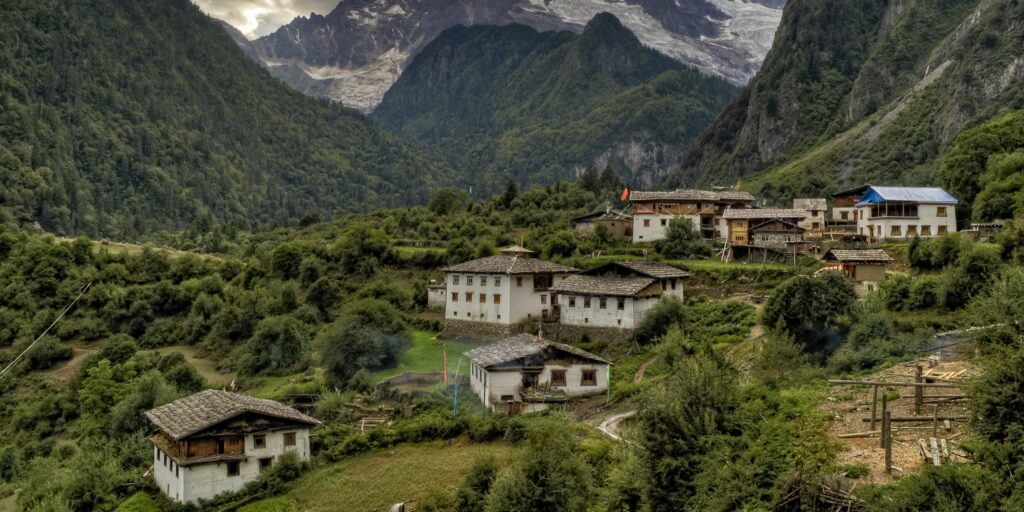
[
  {"x": 899, "y": 213},
  {"x": 616, "y": 295},
  {"x": 653, "y": 210},
  {"x": 215, "y": 442},
  {"x": 527, "y": 374},
  {"x": 815, "y": 208},
  {"x": 501, "y": 291}
]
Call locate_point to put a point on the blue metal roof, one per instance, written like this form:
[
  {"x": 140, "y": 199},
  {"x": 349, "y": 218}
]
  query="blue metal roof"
[{"x": 875, "y": 195}]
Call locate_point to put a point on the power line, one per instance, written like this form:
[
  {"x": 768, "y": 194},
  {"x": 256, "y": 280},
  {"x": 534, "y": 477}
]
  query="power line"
[{"x": 61, "y": 315}]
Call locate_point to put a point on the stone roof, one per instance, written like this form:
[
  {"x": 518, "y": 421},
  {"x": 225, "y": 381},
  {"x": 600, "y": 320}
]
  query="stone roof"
[
  {"x": 791, "y": 225},
  {"x": 857, "y": 256},
  {"x": 810, "y": 203},
  {"x": 509, "y": 264},
  {"x": 516, "y": 249},
  {"x": 653, "y": 269},
  {"x": 603, "y": 285},
  {"x": 684, "y": 194},
  {"x": 764, "y": 213},
  {"x": 186, "y": 416},
  {"x": 518, "y": 347}
]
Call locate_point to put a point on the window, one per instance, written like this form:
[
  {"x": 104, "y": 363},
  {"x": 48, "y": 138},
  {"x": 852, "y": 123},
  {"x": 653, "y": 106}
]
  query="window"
[
  {"x": 673, "y": 284},
  {"x": 604, "y": 303},
  {"x": 289, "y": 439},
  {"x": 558, "y": 377},
  {"x": 497, "y": 281},
  {"x": 664, "y": 222},
  {"x": 589, "y": 378},
  {"x": 455, "y": 296},
  {"x": 469, "y": 296},
  {"x": 483, "y": 280},
  {"x": 265, "y": 463},
  {"x": 469, "y": 280},
  {"x": 572, "y": 302},
  {"x": 942, "y": 230},
  {"x": 483, "y": 298},
  {"x": 586, "y": 302},
  {"x": 519, "y": 282},
  {"x": 177, "y": 473},
  {"x": 497, "y": 298},
  {"x": 543, "y": 298},
  {"x": 467, "y": 314},
  {"x": 895, "y": 231},
  {"x": 845, "y": 215},
  {"x": 507, "y": 398},
  {"x": 926, "y": 231},
  {"x": 455, "y": 279},
  {"x": 259, "y": 441},
  {"x": 621, "y": 304},
  {"x": 941, "y": 211},
  {"x": 815, "y": 225},
  {"x": 233, "y": 468},
  {"x": 647, "y": 223},
  {"x": 911, "y": 230}
]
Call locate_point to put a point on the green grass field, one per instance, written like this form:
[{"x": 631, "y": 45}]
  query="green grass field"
[
  {"x": 374, "y": 481},
  {"x": 407, "y": 251},
  {"x": 207, "y": 369},
  {"x": 426, "y": 355}
]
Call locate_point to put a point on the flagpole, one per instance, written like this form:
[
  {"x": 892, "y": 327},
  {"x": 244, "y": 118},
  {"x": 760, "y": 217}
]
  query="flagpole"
[{"x": 455, "y": 400}]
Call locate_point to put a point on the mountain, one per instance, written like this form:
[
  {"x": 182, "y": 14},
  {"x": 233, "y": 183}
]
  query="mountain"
[
  {"x": 360, "y": 48},
  {"x": 510, "y": 101},
  {"x": 124, "y": 116},
  {"x": 857, "y": 91}
]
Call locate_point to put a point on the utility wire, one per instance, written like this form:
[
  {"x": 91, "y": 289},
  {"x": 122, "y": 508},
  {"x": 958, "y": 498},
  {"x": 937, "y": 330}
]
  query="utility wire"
[{"x": 61, "y": 315}]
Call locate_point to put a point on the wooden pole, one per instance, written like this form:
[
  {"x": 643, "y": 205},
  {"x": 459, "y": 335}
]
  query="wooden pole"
[
  {"x": 874, "y": 404},
  {"x": 918, "y": 392},
  {"x": 885, "y": 414},
  {"x": 907, "y": 419},
  {"x": 887, "y": 439},
  {"x": 935, "y": 420}
]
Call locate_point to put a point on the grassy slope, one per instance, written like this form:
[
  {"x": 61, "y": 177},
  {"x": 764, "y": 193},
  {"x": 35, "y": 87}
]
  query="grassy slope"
[
  {"x": 207, "y": 369},
  {"x": 426, "y": 355},
  {"x": 374, "y": 481}
]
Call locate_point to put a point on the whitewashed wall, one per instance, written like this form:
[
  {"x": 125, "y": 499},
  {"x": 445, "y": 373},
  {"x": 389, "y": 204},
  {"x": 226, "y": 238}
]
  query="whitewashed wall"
[
  {"x": 518, "y": 303},
  {"x": 927, "y": 215}
]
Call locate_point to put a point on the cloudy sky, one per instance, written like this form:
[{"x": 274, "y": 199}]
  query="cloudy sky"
[{"x": 257, "y": 18}]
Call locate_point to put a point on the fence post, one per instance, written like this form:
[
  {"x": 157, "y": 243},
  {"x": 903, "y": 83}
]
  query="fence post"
[
  {"x": 918, "y": 391},
  {"x": 887, "y": 439},
  {"x": 874, "y": 404},
  {"x": 885, "y": 411}
]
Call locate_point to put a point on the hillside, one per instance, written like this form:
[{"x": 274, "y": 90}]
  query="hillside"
[
  {"x": 539, "y": 106},
  {"x": 355, "y": 52},
  {"x": 121, "y": 118},
  {"x": 864, "y": 91}
]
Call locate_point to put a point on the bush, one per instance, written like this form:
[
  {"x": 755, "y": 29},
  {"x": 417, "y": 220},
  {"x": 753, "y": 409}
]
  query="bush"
[
  {"x": 808, "y": 308},
  {"x": 347, "y": 347},
  {"x": 47, "y": 353},
  {"x": 667, "y": 312},
  {"x": 682, "y": 241},
  {"x": 278, "y": 347}
]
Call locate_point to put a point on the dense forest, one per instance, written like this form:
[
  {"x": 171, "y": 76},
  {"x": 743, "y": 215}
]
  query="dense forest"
[
  {"x": 509, "y": 101},
  {"x": 122, "y": 117},
  {"x": 856, "y": 92}
]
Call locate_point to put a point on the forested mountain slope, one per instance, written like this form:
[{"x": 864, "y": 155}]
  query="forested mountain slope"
[
  {"x": 120, "y": 117},
  {"x": 540, "y": 106},
  {"x": 867, "y": 90}
]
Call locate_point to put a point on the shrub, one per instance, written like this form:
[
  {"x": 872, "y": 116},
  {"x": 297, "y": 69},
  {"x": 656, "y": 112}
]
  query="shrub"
[
  {"x": 47, "y": 353},
  {"x": 682, "y": 241},
  {"x": 667, "y": 312},
  {"x": 277, "y": 347},
  {"x": 808, "y": 308}
]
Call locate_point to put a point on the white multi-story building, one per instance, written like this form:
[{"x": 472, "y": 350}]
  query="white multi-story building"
[
  {"x": 815, "y": 208},
  {"x": 501, "y": 290},
  {"x": 899, "y": 213},
  {"x": 214, "y": 442},
  {"x": 653, "y": 210},
  {"x": 617, "y": 295},
  {"x": 527, "y": 374}
]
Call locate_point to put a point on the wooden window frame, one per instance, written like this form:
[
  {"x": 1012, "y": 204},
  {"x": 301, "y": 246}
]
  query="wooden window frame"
[
  {"x": 469, "y": 297},
  {"x": 896, "y": 230},
  {"x": 483, "y": 298},
  {"x": 926, "y": 231},
  {"x": 455, "y": 279},
  {"x": 234, "y": 468},
  {"x": 469, "y": 280},
  {"x": 259, "y": 441},
  {"x": 519, "y": 281},
  {"x": 455, "y": 296},
  {"x": 558, "y": 378},
  {"x": 497, "y": 298},
  {"x": 572, "y": 301},
  {"x": 290, "y": 439},
  {"x": 941, "y": 211},
  {"x": 586, "y": 302},
  {"x": 497, "y": 280},
  {"x": 620, "y": 304},
  {"x": 483, "y": 280},
  {"x": 592, "y": 381},
  {"x": 602, "y": 303},
  {"x": 943, "y": 230}
]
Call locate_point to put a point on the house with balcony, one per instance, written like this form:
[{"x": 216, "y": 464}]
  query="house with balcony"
[
  {"x": 765, "y": 227},
  {"x": 215, "y": 442},
  {"x": 901, "y": 213},
  {"x": 653, "y": 210},
  {"x": 526, "y": 373},
  {"x": 493, "y": 296}
]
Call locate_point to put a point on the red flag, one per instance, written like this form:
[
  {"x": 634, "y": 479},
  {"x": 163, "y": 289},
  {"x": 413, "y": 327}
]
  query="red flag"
[
  {"x": 625, "y": 194},
  {"x": 446, "y": 366}
]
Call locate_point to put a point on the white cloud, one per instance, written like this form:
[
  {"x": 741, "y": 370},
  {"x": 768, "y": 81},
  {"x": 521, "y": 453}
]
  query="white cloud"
[{"x": 257, "y": 18}]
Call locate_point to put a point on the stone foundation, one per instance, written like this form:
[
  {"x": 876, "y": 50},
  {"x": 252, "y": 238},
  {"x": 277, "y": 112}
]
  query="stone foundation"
[
  {"x": 575, "y": 333},
  {"x": 484, "y": 331},
  {"x": 477, "y": 331}
]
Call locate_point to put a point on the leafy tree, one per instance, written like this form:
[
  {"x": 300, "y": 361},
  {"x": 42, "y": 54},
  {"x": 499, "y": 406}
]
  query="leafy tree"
[
  {"x": 808, "y": 307},
  {"x": 667, "y": 312},
  {"x": 285, "y": 261},
  {"x": 549, "y": 475},
  {"x": 387, "y": 292},
  {"x": 323, "y": 294},
  {"x": 347, "y": 347},
  {"x": 149, "y": 391},
  {"x": 511, "y": 192},
  {"x": 680, "y": 421},
  {"x": 972, "y": 274},
  {"x": 471, "y": 495},
  {"x": 682, "y": 240},
  {"x": 446, "y": 201},
  {"x": 277, "y": 347}
]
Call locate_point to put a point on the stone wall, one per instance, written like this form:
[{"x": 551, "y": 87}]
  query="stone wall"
[
  {"x": 482, "y": 331},
  {"x": 574, "y": 333},
  {"x": 478, "y": 331}
]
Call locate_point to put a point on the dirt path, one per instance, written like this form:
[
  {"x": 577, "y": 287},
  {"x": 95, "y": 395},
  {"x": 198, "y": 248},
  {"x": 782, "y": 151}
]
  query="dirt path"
[
  {"x": 67, "y": 370},
  {"x": 611, "y": 425},
  {"x": 643, "y": 368}
]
